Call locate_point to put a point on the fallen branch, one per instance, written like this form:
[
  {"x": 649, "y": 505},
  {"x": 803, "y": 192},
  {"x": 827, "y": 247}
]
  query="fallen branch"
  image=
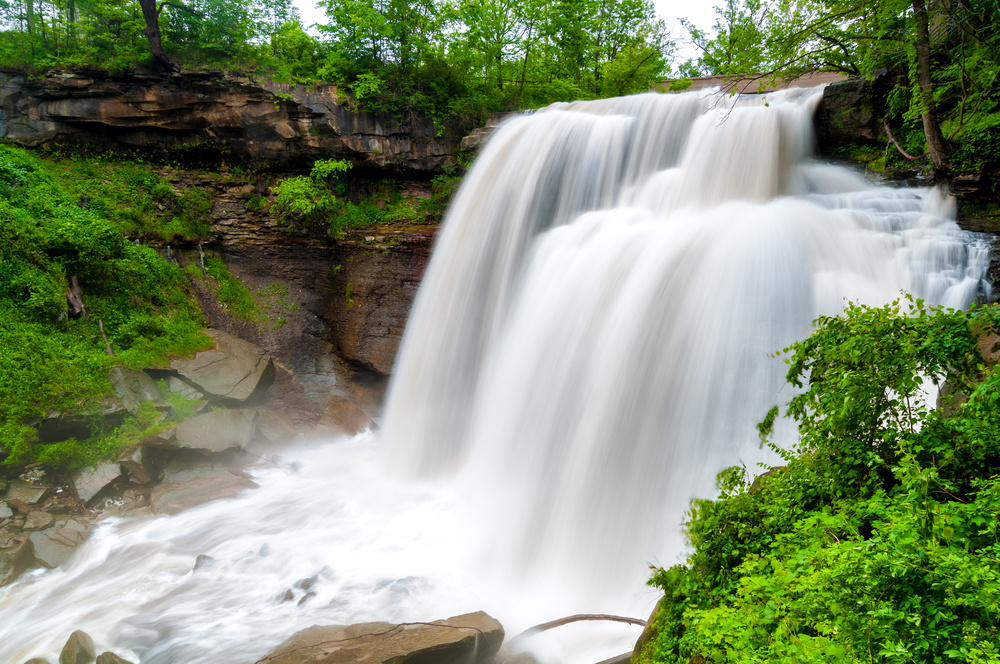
[
  {"x": 892, "y": 139},
  {"x": 107, "y": 346},
  {"x": 580, "y": 617}
]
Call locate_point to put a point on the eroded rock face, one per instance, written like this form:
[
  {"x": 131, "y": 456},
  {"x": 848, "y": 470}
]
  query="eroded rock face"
[
  {"x": 467, "y": 639},
  {"x": 284, "y": 125},
  {"x": 233, "y": 371},
  {"x": 849, "y": 114}
]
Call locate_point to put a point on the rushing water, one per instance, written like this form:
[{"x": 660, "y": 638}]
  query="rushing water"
[{"x": 591, "y": 344}]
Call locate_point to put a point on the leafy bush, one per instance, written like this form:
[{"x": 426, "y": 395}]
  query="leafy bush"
[
  {"x": 878, "y": 540},
  {"x": 50, "y": 361}
]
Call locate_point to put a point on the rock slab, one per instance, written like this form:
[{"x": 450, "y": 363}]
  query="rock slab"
[
  {"x": 233, "y": 371},
  {"x": 216, "y": 431},
  {"x": 89, "y": 482},
  {"x": 186, "y": 484},
  {"x": 133, "y": 388},
  {"x": 467, "y": 639}
]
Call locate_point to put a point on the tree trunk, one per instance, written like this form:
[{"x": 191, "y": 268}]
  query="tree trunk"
[
  {"x": 30, "y": 5},
  {"x": 937, "y": 146},
  {"x": 152, "y": 17}
]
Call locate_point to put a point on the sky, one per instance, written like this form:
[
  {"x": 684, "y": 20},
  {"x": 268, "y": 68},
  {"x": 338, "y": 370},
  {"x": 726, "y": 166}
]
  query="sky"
[{"x": 701, "y": 13}]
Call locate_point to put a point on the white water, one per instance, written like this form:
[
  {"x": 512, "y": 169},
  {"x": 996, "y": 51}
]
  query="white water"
[{"x": 589, "y": 347}]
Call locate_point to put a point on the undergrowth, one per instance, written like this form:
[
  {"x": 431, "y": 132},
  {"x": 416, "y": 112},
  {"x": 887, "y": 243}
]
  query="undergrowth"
[
  {"x": 879, "y": 537},
  {"x": 56, "y": 226}
]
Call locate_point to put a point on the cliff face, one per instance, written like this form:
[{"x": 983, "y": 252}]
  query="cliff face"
[
  {"x": 276, "y": 124},
  {"x": 333, "y": 309}
]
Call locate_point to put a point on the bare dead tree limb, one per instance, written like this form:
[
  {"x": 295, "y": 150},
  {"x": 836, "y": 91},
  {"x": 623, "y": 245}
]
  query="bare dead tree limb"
[
  {"x": 892, "y": 139},
  {"x": 580, "y": 617}
]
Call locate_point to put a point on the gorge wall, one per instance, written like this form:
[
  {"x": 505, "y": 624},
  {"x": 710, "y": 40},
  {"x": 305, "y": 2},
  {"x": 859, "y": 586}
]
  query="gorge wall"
[{"x": 336, "y": 307}]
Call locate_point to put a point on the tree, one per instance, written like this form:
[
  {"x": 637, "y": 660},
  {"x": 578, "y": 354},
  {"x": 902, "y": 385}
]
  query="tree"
[{"x": 151, "y": 14}]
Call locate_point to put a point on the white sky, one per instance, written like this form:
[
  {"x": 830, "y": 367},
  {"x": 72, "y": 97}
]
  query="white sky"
[{"x": 701, "y": 13}]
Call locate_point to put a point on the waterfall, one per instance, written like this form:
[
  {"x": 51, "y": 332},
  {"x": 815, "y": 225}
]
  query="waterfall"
[{"x": 594, "y": 339}]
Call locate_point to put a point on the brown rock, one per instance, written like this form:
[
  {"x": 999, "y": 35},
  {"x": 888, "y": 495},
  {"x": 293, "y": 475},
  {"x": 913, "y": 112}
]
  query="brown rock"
[
  {"x": 233, "y": 371},
  {"x": 343, "y": 415},
  {"x": 187, "y": 484},
  {"x": 27, "y": 492},
  {"x": 37, "y": 520},
  {"x": 111, "y": 658},
  {"x": 16, "y": 561},
  {"x": 91, "y": 481},
  {"x": 468, "y": 639},
  {"x": 79, "y": 649}
]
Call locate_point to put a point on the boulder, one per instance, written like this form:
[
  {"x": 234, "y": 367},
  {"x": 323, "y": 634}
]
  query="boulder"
[
  {"x": 37, "y": 660},
  {"x": 111, "y": 658},
  {"x": 16, "y": 561},
  {"x": 5, "y": 511},
  {"x": 133, "y": 388},
  {"x": 344, "y": 416},
  {"x": 187, "y": 484},
  {"x": 53, "y": 547},
  {"x": 465, "y": 639},
  {"x": 91, "y": 481},
  {"x": 215, "y": 431},
  {"x": 233, "y": 371},
  {"x": 79, "y": 649},
  {"x": 37, "y": 520},
  {"x": 177, "y": 385},
  {"x": 26, "y": 492}
]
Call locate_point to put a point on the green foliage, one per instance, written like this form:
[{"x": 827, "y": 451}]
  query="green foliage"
[
  {"x": 231, "y": 292},
  {"x": 878, "y": 540},
  {"x": 780, "y": 39},
  {"x": 50, "y": 361}
]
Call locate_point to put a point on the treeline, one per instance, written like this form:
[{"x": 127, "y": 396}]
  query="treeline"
[
  {"x": 449, "y": 59},
  {"x": 937, "y": 60}
]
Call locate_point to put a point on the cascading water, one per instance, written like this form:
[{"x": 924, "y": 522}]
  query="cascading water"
[{"x": 591, "y": 344}]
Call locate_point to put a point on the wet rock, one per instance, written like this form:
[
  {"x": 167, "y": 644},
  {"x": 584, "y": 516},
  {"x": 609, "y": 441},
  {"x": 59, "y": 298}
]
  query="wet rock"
[
  {"x": 5, "y": 511},
  {"x": 111, "y": 658},
  {"x": 27, "y": 493},
  {"x": 136, "y": 472},
  {"x": 216, "y": 431},
  {"x": 54, "y": 547},
  {"x": 343, "y": 416},
  {"x": 624, "y": 658},
  {"x": 133, "y": 388},
  {"x": 37, "y": 520},
  {"x": 233, "y": 371},
  {"x": 187, "y": 484},
  {"x": 202, "y": 561},
  {"x": 91, "y": 481},
  {"x": 37, "y": 660},
  {"x": 274, "y": 427},
  {"x": 306, "y": 598},
  {"x": 468, "y": 639},
  {"x": 850, "y": 114},
  {"x": 79, "y": 649},
  {"x": 177, "y": 385},
  {"x": 16, "y": 561}
]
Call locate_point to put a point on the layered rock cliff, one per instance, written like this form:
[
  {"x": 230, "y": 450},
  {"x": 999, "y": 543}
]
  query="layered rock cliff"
[{"x": 275, "y": 124}]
